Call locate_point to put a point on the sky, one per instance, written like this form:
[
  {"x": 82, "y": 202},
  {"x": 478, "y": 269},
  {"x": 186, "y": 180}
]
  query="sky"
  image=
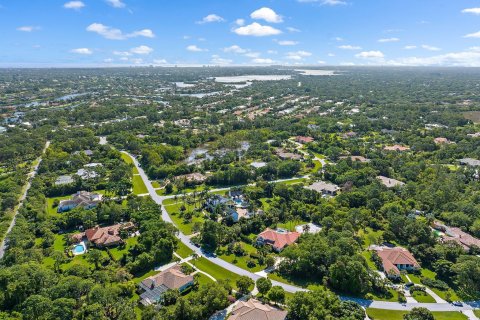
[{"x": 61, "y": 33}]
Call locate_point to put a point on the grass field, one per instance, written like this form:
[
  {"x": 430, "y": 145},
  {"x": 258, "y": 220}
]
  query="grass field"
[
  {"x": 129, "y": 160},
  {"x": 430, "y": 274},
  {"x": 293, "y": 181},
  {"x": 477, "y": 312},
  {"x": 290, "y": 225},
  {"x": 423, "y": 297},
  {"x": 242, "y": 261},
  {"x": 183, "y": 251},
  {"x": 215, "y": 271},
  {"x": 118, "y": 253},
  {"x": 138, "y": 186},
  {"x": 380, "y": 314},
  {"x": 174, "y": 212}
]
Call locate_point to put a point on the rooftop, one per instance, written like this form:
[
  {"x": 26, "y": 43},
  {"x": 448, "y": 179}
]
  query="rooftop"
[{"x": 255, "y": 310}]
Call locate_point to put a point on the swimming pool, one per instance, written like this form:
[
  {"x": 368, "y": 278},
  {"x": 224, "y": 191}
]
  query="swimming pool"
[{"x": 79, "y": 249}]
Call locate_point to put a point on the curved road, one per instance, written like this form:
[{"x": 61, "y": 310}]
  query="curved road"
[
  {"x": 31, "y": 175},
  {"x": 290, "y": 288}
]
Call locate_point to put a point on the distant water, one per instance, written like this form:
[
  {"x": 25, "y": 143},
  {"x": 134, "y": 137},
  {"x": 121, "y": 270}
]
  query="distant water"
[
  {"x": 308, "y": 72},
  {"x": 248, "y": 78}
]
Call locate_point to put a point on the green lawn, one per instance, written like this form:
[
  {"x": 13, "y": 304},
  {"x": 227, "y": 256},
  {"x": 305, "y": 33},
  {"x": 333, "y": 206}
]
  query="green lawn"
[
  {"x": 118, "y": 253},
  {"x": 380, "y": 314},
  {"x": 293, "y": 181},
  {"x": 242, "y": 261},
  {"x": 370, "y": 236},
  {"x": 215, "y": 271},
  {"x": 392, "y": 297},
  {"x": 368, "y": 255},
  {"x": 318, "y": 166},
  {"x": 290, "y": 225},
  {"x": 183, "y": 251},
  {"x": 423, "y": 297},
  {"x": 430, "y": 274},
  {"x": 186, "y": 228},
  {"x": 155, "y": 184},
  {"x": 144, "y": 276},
  {"x": 138, "y": 186},
  {"x": 52, "y": 211},
  {"x": 129, "y": 160},
  {"x": 203, "y": 279},
  {"x": 477, "y": 312}
]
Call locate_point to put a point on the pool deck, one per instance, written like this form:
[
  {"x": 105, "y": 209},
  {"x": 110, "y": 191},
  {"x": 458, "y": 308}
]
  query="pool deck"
[{"x": 83, "y": 244}]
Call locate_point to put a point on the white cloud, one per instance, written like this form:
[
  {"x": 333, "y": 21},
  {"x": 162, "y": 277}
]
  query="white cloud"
[
  {"x": 235, "y": 49},
  {"x": 116, "y": 3},
  {"x": 160, "y": 61},
  {"x": 467, "y": 58},
  {"x": 141, "y": 50},
  {"x": 338, "y": 39},
  {"x": 331, "y": 54},
  {"x": 263, "y": 61},
  {"x": 298, "y": 55},
  {"x": 124, "y": 59},
  {"x": 326, "y": 2},
  {"x": 257, "y": 30},
  {"x": 272, "y": 52},
  {"x": 370, "y": 55},
  {"x": 287, "y": 43},
  {"x": 194, "y": 48},
  {"x": 321, "y": 62},
  {"x": 410, "y": 47},
  {"x": 240, "y": 22},
  {"x": 389, "y": 40},
  {"x": 27, "y": 28},
  {"x": 266, "y": 14},
  {"x": 252, "y": 55},
  {"x": 216, "y": 59},
  {"x": 430, "y": 48},
  {"x": 292, "y": 30},
  {"x": 472, "y": 35},
  {"x": 211, "y": 18},
  {"x": 84, "y": 51},
  {"x": 349, "y": 47},
  {"x": 117, "y": 34},
  {"x": 137, "y": 60},
  {"x": 472, "y": 10},
  {"x": 122, "y": 53},
  {"x": 76, "y": 5},
  {"x": 108, "y": 60}
]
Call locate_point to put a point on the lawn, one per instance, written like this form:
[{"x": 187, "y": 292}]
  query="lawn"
[
  {"x": 477, "y": 312},
  {"x": 186, "y": 228},
  {"x": 144, "y": 276},
  {"x": 293, "y": 181},
  {"x": 318, "y": 166},
  {"x": 52, "y": 211},
  {"x": 380, "y": 314},
  {"x": 370, "y": 236},
  {"x": 183, "y": 251},
  {"x": 392, "y": 297},
  {"x": 129, "y": 160},
  {"x": 118, "y": 253},
  {"x": 155, "y": 184},
  {"x": 138, "y": 186},
  {"x": 368, "y": 255},
  {"x": 242, "y": 260},
  {"x": 423, "y": 297},
  {"x": 296, "y": 282},
  {"x": 290, "y": 225},
  {"x": 215, "y": 271},
  {"x": 430, "y": 274}
]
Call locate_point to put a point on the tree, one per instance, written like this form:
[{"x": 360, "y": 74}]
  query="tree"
[
  {"x": 209, "y": 235},
  {"x": 58, "y": 258},
  {"x": 244, "y": 283},
  {"x": 95, "y": 256},
  {"x": 270, "y": 261},
  {"x": 264, "y": 285},
  {"x": 276, "y": 294},
  {"x": 419, "y": 314}
]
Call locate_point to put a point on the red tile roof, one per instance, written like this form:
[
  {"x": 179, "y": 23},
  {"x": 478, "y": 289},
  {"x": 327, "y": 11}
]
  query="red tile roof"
[
  {"x": 395, "y": 256},
  {"x": 108, "y": 235},
  {"x": 255, "y": 310},
  {"x": 279, "y": 240}
]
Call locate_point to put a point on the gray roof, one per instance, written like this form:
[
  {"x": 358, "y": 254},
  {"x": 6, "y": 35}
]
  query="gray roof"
[
  {"x": 67, "y": 179},
  {"x": 389, "y": 182},
  {"x": 470, "y": 162},
  {"x": 321, "y": 186}
]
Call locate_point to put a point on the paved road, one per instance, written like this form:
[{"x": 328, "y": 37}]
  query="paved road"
[
  {"x": 31, "y": 175},
  {"x": 290, "y": 288}
]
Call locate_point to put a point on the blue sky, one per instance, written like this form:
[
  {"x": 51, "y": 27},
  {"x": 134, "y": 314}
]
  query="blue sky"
[{"x": 239, "y": 32}]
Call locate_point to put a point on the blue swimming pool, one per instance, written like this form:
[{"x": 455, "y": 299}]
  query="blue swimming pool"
[{"x": 79, "y": 249}]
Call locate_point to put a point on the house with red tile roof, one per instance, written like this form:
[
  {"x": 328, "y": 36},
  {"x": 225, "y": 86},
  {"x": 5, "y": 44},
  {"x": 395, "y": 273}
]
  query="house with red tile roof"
[
  {"x": 278, "y": 239},
  {"x": 395, "y": 260},
  {"x": 155, "y": 286},
  {"x": 255, "y": 310},
  {"x": 107, "y": 236},
  {"x": 303, "y": 140},
  {"x": 396, "y": 148}
]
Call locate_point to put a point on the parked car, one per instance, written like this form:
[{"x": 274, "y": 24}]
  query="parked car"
[{"x": 457, "y": 303}]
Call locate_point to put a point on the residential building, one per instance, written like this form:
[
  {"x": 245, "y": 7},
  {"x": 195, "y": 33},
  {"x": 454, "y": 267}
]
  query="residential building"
[
  {"x": 284, "y": 155},
  {"x": 469, "y": 162},
  {"x": 441, "y": 141},
  {"x": 395, "y": 260},
  {"x": 389, "y": 182},
  {"x": 278, "y": 239},
  {"x": 192, "y": 177},
  {"x": 325, "y": 188},
  {"x": 107, "y": 236},
  {"x": 303, "y": 140},
  {"x": 396, "y": 148},
  {"x": 356, "y": 158},
  {"x": 155, "y": 286},
  {"x": 255, "y": 310},
  {"x": 65, "y": 179},
  {"x": 457, "y": 235},
  {"x": 83, "y": 199},
  {"x": 308, "y": 228}
]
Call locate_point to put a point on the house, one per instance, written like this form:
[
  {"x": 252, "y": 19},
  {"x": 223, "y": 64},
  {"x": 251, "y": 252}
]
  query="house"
[
  {"x": 469, "y": 162},
  {"x": 395, "y": 260},
  {"x": 457, "y": 235},
  {"x": 303, "y": 140},
  {"x": 308, "y": 228},
  {"x": 356, "y": 158},
  {"x": 255, "y": 310},
  {"x": 474, "y": 135},
  {"x": 214, "y": 201},
  {"x": 155, "y": 286},
  {"x": 192, "y": 177},
  {"x": 396, "y": 148},
  {"x": 107, "y": 236},
  {"x": 65, "y": 179},
  {"x": 442, "y": 141},
  {"x": 325, "y": 188},
  {"x": 278, "y": 239},
  {"x": 258, "y": 164},
  {"x": 83, "y": 199},
  {"x": 284, "y": 155},
  {"x": 348, "y": 135},
  {"x": 389, "y": 182}
]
